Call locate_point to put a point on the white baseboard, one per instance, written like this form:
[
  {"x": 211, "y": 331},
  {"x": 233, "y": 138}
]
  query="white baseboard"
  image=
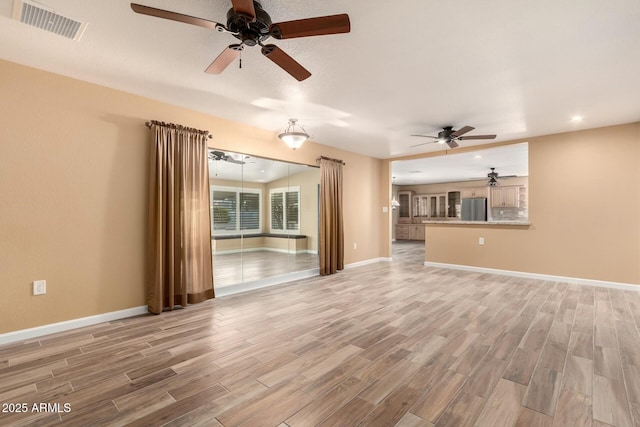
[
  {"x": 366, "y": 262},
  {"x": 284, "y": 251},
  {"x": 523, "y": 274},
  {"x": 70, "y": 324}
]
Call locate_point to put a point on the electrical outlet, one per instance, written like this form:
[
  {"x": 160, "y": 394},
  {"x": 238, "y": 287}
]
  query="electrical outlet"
[
  {"x": 39, "y": 287},
  {"x": 481, "y": 241}
]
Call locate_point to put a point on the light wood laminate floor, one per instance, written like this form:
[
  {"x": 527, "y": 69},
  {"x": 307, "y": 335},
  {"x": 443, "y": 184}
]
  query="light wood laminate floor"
[
  {"x": 392, "y": 343},
  {"x": 411, "y": 251}
]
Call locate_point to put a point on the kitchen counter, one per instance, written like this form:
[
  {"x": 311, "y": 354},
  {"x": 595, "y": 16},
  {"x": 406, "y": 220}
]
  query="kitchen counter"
[{"x": 478, "y": 223}]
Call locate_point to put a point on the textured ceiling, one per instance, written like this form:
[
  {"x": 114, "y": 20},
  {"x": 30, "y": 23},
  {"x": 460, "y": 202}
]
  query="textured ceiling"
[{"x": 514, "y": 68}]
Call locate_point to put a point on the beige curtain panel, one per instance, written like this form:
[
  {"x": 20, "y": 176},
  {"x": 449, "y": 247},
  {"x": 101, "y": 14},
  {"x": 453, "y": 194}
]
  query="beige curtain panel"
[
  {"x": 180, "y": 269},
  {"x": 331, "y": 228}
]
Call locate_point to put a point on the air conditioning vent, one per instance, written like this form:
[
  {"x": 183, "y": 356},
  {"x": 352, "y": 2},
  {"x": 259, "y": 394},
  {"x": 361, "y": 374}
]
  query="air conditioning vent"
[{"x": 38, "y": 15}]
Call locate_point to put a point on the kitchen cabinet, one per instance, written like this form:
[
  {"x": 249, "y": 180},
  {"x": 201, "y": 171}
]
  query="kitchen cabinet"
[
  {"x": 473, "y": 192},
  {"x": 404, "y": 210},
  {"x": 508, "y": 197},
  {"x": 402, "y": 232},
  {"x": 410, "y": 232},
  {"x": 416, "y": 232},
  {"x": 426, "y": 206},
  {"x": 420, "y": 208},
  {"x": 438, "y": 205},
  {"x": 453, "y": 204}
]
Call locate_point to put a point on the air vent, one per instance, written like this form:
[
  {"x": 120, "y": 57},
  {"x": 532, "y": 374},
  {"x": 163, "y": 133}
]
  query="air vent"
[{"x": 40, "y": 16}]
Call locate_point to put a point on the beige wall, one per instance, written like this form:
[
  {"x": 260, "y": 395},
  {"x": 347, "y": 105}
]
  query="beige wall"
[
  {"x": 73, "y": 179},
  {"x": 584, "y": 209}
]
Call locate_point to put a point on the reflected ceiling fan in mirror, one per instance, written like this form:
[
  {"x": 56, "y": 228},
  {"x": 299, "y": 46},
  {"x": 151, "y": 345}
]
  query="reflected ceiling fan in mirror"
[
  {"x": 221, "y": 155},
  {"x": 449, "y": 136},
  {"x": 248, "y": 22}
]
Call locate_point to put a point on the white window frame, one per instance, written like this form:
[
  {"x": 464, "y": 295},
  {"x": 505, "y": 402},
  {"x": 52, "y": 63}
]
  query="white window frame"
[
  {"x": 284, "y": 212},
  {"x": 237, "y": 190}
]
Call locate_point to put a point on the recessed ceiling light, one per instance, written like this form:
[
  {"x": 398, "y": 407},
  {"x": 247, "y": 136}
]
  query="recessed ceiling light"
[
  {"x": 477, "y": 156},
  {"x": 577, "y": 119},
  {"x": 415, "y": 171}
]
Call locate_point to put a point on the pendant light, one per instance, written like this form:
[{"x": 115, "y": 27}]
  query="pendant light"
[
  {"x": 394, "y": 202},
  {"x": 292, "y": 137}
]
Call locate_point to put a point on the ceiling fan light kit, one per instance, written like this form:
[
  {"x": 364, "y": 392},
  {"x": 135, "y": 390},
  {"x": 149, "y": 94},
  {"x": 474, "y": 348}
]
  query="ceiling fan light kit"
[
  {"x": 251, "y": 24},
  {"x": 292, "y": 137}
]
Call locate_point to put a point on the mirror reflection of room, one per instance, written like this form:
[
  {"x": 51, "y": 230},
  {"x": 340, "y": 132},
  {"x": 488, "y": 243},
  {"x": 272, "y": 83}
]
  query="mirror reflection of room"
[{"x": 264, "y": 217}]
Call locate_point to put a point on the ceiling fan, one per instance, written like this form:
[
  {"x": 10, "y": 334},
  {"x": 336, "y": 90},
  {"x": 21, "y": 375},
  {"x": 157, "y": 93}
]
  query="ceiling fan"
[
  {"x": 221, "y": 155},
  {"x": 449, "y": 136},
  {"x": 493, "y": 177},
  {"x": 248, "y": 22}
]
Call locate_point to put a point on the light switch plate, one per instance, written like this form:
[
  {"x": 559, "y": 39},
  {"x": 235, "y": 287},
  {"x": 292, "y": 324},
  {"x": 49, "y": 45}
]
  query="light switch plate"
[{"x": 481, "y": 241}]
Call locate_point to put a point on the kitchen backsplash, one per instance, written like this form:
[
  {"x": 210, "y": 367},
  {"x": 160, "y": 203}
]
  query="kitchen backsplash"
[{"x": 508, "y": 214}]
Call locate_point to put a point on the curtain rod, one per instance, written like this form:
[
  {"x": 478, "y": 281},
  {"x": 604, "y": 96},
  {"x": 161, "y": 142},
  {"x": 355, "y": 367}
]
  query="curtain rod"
[
  {"x": 174, "y": 126},
  {"x": 329, "y": 158}
]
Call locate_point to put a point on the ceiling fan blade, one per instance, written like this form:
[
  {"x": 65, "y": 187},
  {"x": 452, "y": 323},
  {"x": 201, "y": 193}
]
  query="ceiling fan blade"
[
  {"x": 232, "y": 160},
  {"x": 452, "y": 144},
  {"x": 245, "y": 7},
  {"x": 477, "y": 137},
  {"x": 424, "y": 143},
  {"x": 322, "y": 25},
  {"x": 462, "y": 131},
  {"x": 223, "y": 60},
  {"x": 426, "y": 136},
  {"x": 173, "y": 16},
  {"x": 285, "y": 62}
]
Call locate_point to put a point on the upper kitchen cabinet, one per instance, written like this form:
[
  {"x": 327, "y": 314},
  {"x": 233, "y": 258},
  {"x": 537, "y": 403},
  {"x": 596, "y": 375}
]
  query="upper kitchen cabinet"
[
  {"x": 427, "y": 206},
  {"x": 453, "y": 204},
  {"x": 508, "y": 197},
  {"x": 467, "y": 193},
  {"x": 404, "y": 210}
]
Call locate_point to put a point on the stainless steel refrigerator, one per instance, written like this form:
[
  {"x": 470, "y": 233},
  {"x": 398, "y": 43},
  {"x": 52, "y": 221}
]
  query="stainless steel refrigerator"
[{"x": 474, "y": 209}]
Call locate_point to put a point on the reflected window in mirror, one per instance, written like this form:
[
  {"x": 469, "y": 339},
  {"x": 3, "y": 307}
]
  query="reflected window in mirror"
[
  {"x": 285, "y": 209},
  {"x": 234, "y": 210}
]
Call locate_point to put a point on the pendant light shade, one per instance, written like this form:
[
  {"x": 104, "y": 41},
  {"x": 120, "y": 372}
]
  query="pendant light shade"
[
  {"x": 295, "y": 135},
  {"x": 394, "y": 202}
]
